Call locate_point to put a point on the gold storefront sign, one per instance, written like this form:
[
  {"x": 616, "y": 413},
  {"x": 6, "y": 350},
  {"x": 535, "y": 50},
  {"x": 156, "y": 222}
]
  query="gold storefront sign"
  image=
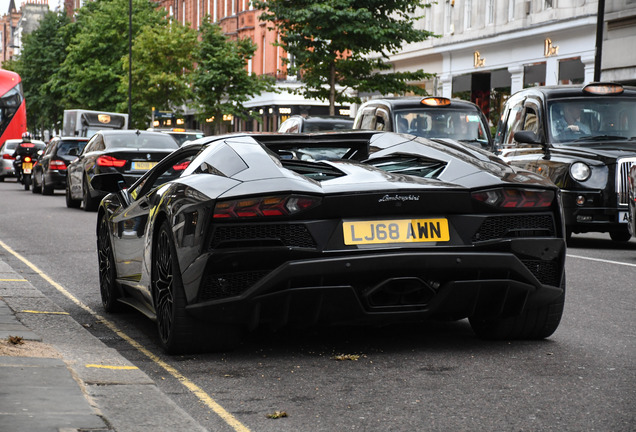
[
  {"x": 479, "y": 61},
  {"x": 549, "y": 49}
]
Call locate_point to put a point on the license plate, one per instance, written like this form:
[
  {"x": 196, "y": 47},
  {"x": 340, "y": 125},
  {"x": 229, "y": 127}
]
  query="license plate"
[
  {"x": 622, "y": 217},
  {"x": 143, "y": 166},
  {"x": 26, "y": 168},
  {"x": 395, "y": 231}
]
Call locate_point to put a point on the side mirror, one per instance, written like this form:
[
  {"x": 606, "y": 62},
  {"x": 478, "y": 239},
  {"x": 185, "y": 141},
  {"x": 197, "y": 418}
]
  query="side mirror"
[
  {"x": 109, "y": 182},
  {"x": 527, "y": 137}
]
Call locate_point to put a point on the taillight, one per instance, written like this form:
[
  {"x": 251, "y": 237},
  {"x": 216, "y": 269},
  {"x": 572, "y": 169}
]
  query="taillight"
[
  {"x": 181, "y": 166},
  {"x": 27, "y": 159},
  {"x": 57, "y": 165},
  {"x": 281, "y": 205},
  {"x": 515, "y": 198},
  {"x": 7, "y": 156},
  {"x": 110, "y": 161}
]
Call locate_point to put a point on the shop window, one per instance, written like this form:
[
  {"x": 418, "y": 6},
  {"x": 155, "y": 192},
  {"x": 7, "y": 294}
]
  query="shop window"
[
  {"x": 534, "y": 75},
  {"x": 571, "y": 71}
]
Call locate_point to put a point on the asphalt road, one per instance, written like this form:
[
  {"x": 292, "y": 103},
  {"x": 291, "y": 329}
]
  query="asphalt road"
[{"x": 434, "y": 377}]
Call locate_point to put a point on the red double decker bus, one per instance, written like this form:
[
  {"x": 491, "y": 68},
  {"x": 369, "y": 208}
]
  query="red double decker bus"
[{"x": 12, "y": 107}]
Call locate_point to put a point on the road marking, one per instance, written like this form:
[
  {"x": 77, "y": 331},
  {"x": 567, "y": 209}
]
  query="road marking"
[
  {"x": 602, "y": 260},
  {"x": 198, "y": 391},
  {"x": 13, "y": 280},
  {"x": 45, "y": 312},
  {"x": 112, "y": 367}
]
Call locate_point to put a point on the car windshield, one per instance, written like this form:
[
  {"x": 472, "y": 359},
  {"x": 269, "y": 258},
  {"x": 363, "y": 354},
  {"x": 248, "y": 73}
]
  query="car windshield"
[
  {"x": 134, "y": 140},
  {"x": 592, "y": 119},
  {"x": 65, "y": 147},
  {"x": 461, "y": 125},
  {"x": 181, "y": 138}
]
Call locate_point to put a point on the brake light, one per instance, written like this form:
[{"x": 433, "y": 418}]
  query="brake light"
[
  {"x": 282, "y": 205},
  {"x": 7, "y": 156},
  {"x": 515, "y": 198},
  {"x": 110, "y": 161},
  {"x": 57, "y": 165},
  {"x": 27, "y": 159},
  {"x": 181, "y": 166}
]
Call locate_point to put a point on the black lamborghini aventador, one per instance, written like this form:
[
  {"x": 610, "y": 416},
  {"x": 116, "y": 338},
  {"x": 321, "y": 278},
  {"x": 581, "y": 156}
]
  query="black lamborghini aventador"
[{"x": 232, "y": 232}]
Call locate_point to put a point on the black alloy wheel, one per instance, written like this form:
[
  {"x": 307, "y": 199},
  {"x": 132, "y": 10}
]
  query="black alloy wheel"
[
  {"x": 178, "y": 331},
  {"x": 174, "y": 325},
  {"x": 70, "y": 202},
  {"x": 107, "y": 272},
  {"x": 535, "y": 323}
]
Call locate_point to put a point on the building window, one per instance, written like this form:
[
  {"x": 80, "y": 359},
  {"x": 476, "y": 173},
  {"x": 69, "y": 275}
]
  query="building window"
[
  {"x": 490, "y": 12},
  {"x": 547, "y": 4},
  {"x": 468, "y": 13},
  {"x": 448, "y": 18}
]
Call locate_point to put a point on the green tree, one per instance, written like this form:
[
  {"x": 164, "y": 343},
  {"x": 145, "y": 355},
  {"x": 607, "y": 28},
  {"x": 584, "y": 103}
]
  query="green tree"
[
  {"x": 343, "y": 45},
  {"x": 40, "y": 57},
  {"x": 161, "y": 64},
  {"x": 93, "y": 70},
  {"x": 221, "y": 81}
]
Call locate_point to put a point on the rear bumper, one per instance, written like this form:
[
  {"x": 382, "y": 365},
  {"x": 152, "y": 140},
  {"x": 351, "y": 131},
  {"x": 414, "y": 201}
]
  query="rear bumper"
[{"x": 388, "y": 287}]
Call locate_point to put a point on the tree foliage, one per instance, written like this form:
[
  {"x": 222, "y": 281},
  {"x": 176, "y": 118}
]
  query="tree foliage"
[
  {"x": 343, "y": 45},
  {"x": 221, "y": 82},
  {"x": 161, "y": 66},
  {"x": 93, "y": 70},
  {"x": 40, "y": 57}
]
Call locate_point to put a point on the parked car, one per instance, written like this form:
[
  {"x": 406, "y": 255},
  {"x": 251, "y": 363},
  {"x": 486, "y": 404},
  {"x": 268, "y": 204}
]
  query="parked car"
[
  {"x": 428, "y": 117},
  {"x": 7, "y": 157},
  {"x": 582, "y": 138},
  {"x": 397, "y": 229},
  {"x": 128, "y": 152},
  {"x": 309, "y": 124},
  {"x": 49, "y": 171},
  {"x": 180, "y": 135}
]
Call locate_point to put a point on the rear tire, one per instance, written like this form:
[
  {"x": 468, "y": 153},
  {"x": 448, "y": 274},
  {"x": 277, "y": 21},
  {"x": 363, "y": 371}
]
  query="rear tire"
[
  {"x": 107, "y": 273},
  {"x": 621, "y": 235},
  {"x": 89, "y": 203},
  {"x": 70, "y": 202},
  {"x": 36, "y": 188},
  {"x": 46, "y": 189},
  {"x": 26, "y": 180},
  {"x": 536, "y": 323},
  {"x": 178, "y": 331}
]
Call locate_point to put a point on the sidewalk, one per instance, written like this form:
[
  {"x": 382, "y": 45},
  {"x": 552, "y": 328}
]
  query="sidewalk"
[{"x": 64, "y": 379}]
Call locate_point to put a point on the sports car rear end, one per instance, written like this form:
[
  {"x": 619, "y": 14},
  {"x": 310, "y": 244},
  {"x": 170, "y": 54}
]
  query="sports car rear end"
[{"x": 380, "y": 241}]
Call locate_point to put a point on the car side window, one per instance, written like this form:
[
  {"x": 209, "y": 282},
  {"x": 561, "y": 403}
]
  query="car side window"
[
  {"x": 512, "y": 125},
  {"x": 368, "y": 119},
  {"x": 381, "y": 120}
]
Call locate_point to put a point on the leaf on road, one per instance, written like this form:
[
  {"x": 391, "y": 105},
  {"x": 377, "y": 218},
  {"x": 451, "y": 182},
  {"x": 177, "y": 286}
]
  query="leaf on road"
[
  {"x": 341, "y": 357},
  {"x": 277, "y": 415},
  {"x": 16, "y": 340}
]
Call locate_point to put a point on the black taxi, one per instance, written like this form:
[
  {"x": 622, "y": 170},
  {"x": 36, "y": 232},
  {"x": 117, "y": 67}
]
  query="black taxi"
[
  {"x": 428, "y": 117},
  {"x": 583, "y": 138}
]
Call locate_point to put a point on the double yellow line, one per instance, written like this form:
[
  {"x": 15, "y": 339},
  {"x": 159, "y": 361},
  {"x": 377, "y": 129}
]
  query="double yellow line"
[{"x": 192, "y": 387}]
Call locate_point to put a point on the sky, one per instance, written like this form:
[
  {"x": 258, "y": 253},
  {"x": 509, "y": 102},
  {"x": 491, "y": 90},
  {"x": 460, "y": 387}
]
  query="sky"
[{"x": 4, "y": 5}]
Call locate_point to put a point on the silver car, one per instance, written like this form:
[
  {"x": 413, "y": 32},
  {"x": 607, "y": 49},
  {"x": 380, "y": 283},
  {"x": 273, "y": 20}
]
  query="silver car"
[{"x": 6, "y": 158}]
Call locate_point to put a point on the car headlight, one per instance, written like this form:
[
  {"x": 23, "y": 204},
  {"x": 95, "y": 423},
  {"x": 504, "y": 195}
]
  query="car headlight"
[{"x": 580, "y": 171}]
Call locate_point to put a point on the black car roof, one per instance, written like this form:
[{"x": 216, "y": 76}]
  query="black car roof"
[
  {"x": 415, "y": 102},
  {"x": 568, "y": 91}
]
